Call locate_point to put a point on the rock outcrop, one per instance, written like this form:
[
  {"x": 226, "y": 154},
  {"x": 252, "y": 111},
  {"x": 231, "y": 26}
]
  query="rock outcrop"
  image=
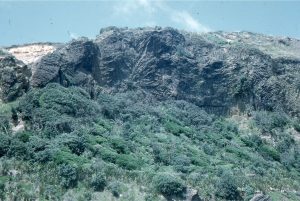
[
  {"x": 14, "y": 78},
  {"x": 217, "y": 71},
  {"x": 73, "y": 64},
  {"x": 261, "y": 197}
]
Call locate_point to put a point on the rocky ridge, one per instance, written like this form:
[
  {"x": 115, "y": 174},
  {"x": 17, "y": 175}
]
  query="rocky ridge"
[{"x": 221, "y": 72}]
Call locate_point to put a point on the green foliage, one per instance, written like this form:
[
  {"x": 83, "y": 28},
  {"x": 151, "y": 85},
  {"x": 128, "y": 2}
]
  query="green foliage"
[
  {"x": 119, "y": 143},
  {"x": 128, "y": 162},
  {"x": 3, "y": 181},
  {"x": 177, "y": 129},
  {"x": 77, "y": 144},
  {"x": 4, "y": 123},
  {"x": 270, "y": 120},
  {"x": 169, "y": 185},
  {"x": 243, "y": 87},
  {"x": 65, "y": 157},
  {"x": 108, "y": 154},
  {"x": 116, "y": 188},
  {"x": 181, "y": 163},
  {"x": 252, "y": 141},
  {"x": 4, "y": 144},
  {"x": 226, "y": 187},
  {"x": 24, "y": 136},
  {"x": 269, "y": 152},
  {"x": 98, "y": 182},
  {"x": 68, "y": 175},
  {"x": 18, "y": 149},
  {"x": 56, "y": 109},
  {"x": 297, "y": 125}
]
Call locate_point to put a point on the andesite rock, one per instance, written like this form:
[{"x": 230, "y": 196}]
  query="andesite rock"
[
  {"x": 217, "y": 71},
  {"x": 14, "y": 78},
  {"x": 261, "y": 197}
]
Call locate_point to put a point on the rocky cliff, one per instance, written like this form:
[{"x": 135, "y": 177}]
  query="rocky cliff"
[{"x": 221, "y": 72}]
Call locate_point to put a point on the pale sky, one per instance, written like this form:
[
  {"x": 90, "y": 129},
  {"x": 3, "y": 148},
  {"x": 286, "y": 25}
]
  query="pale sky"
[{"x": 59, "y": 21}]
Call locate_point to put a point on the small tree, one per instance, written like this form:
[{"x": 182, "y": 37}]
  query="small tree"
[
  {"x": 68, "y": 175},
  {"x": 98, "y": 182},
  {"x": 226, "y": 187},
  {"x": 4, "y": 144},
  {"x": 169, "y": 185}
]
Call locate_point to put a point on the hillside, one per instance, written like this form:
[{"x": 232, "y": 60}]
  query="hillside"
[{"x": 151, "y": 114}]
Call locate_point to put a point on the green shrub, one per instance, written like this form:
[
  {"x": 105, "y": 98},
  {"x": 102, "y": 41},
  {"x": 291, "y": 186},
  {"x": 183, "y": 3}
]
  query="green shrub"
[
  {"x": 18, "y": 149},
  {"x": 270, "y": 120},
  {"x": 128, "y": 162},
  {"x": 116, "y": 188},
  {"x": 68, "y": 175},
  {"x": 77, "y": 144},
  {"x": 226, "y": 187},
  {"x": 160, "y": 154},
  {"x": 107, "y": 154},
  {"x": 286, "y": 142},
  {"x": 65, "y": 157},
  {"x": 119, "y": 145},
  {"x": 181, "y": 163},
  {"x": 169, "y": 185},
  {"x": 4, "y": 124},
  {"x": 56, "y": 108},
  {"x": 4, "y": 144},
  {"x": 252, "y": 141},
  {"x": 24, "y": 136},
  {"x": 269, "y": 152},
  {"x": 177, "y": 129},
  {"x": 209, "y": 149},
  {"x": 238, "y": 152},
  {"x": 3, "y": 181},
  {"x": 98, "y": 182},
  {"x": 296, "y": 125}
]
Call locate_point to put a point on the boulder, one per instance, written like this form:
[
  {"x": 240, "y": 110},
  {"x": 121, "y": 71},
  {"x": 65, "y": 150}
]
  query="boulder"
[{"x": 261, "y": 197}]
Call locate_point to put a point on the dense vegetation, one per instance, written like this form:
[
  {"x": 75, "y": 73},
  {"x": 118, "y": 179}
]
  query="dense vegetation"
[{"x": 132, "y": 147}]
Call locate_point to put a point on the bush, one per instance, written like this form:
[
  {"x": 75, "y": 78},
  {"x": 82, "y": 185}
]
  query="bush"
[
  {"x": 4, "y": 144},
  {"x": 3, "y": 181},
  {"x": 65, "y": 157},
  {"x": 68, "y": 175},
  {"x": 181, "y": 163},
  {"x": 107, "y": 154},
  {"x": 226, "y": 187},
  {"x": 296, "y": 125},
  {"x": 4, "y": 124},
  {"x": 270, "y": 120},
  {"x": 18, "y": 149},
  {"x": 252, "y": 141},
  {"x": 209, "y": 149},
  {"x": 120, "y": 145},
  {"x": 55, "y": 108},
  {"x": 24, "y": 136},
  {"x": 128, "y": 162},
  {"x": 77, "y": 144},
  {"x": 269, "y": 152},
  {"x": 116, "y": 188},
  {"x": 177, "y": 128},
  {"x": 98, "y": 182},
  {"x": 169, "y": 185}
]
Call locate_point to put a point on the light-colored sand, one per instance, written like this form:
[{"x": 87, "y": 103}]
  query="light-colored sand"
[{"x": 31, "y": 53}]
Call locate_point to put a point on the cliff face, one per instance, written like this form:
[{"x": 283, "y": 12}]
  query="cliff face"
[
  {"x": 14, "y": 78},
  {"x": 220, "y": 72}
]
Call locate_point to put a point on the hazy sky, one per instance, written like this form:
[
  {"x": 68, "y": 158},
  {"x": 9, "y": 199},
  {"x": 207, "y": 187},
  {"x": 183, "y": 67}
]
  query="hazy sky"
[{"x": 59, "y": 21}]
